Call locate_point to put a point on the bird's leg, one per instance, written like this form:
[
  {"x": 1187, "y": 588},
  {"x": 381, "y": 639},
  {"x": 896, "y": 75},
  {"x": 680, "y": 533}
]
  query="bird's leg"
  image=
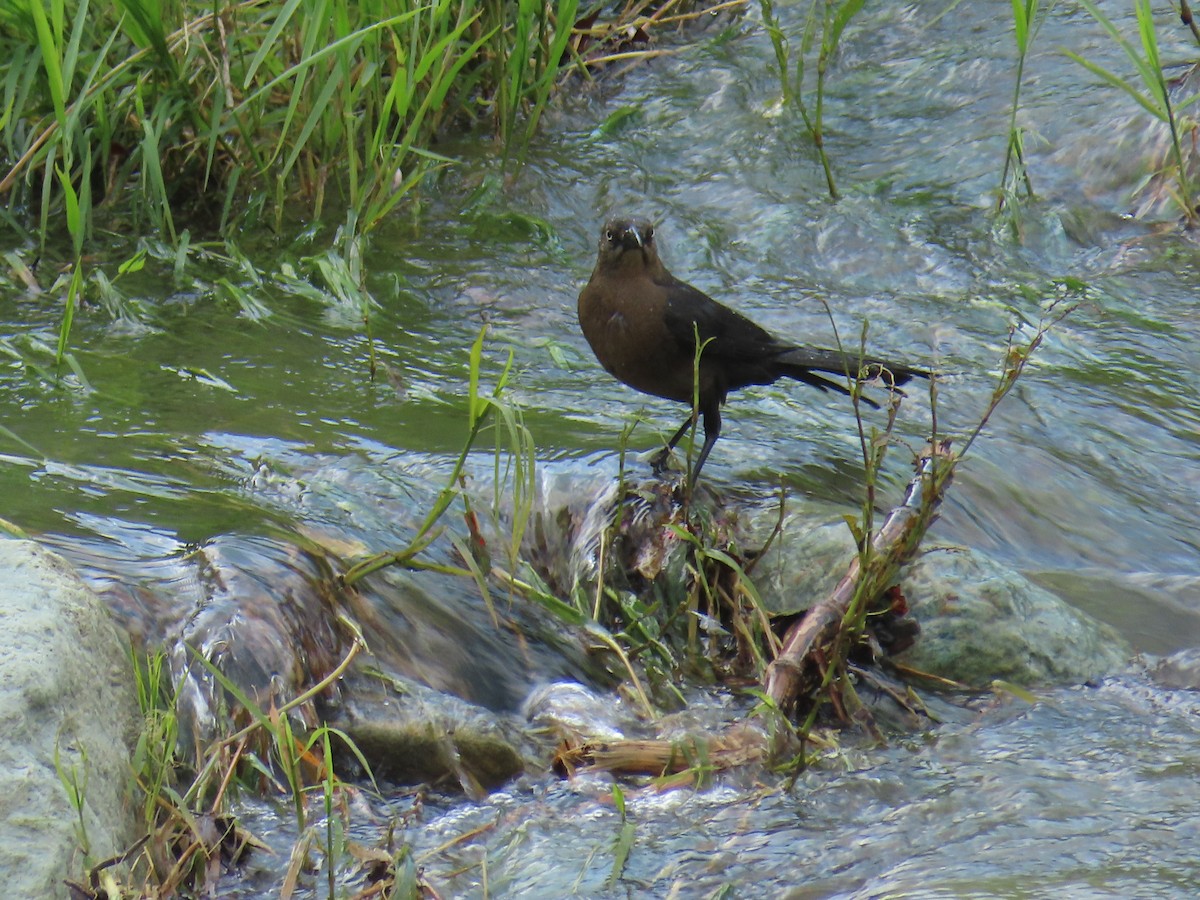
[
  {"x": 712, "y": 431},
  {"x": 658, "y": 461}
]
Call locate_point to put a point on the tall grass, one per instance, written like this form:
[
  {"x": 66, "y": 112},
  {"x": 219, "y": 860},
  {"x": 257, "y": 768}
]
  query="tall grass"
[
  {"x": 190, "y": 106},
  {"x": 189, "y": 830}
]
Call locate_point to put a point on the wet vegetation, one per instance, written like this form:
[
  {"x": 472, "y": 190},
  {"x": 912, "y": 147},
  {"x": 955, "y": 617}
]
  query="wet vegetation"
[
  {"x": 1154, "y": 96},
  {"x": 191, "y": 121}
]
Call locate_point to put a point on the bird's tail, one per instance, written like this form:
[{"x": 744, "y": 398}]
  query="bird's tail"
[{"x": 803, "y": 364}]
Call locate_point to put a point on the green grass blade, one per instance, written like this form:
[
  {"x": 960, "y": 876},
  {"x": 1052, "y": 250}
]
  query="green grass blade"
[
  {"x": 74, "y": 365},
  {"x": 621, "y": 850},
  {"x": 71, "y": 57},
  {"x": 1020, "y": 24},
  {"x": 841, "y": 19},
  {"x": 270, "y": 41},
  {"x": 216, "y": 116},
  {"x": 315, "y": 114},
  {"x": 146, "y": 30},
  {"x": 565, "y": 17},
  {"x": 1146, "y": 73},
  {"x": 152, "y": 166},
  {"x": 1145, "y": 19},
  {"x": 51, "y": 60},
  {"x": 475, "y": 405},
  {"x": 1118, "y": 82},
  {"x": 71, "y": 201},
  {"x": 68, "y": 317},
  {"x": 321, "y": 54}
]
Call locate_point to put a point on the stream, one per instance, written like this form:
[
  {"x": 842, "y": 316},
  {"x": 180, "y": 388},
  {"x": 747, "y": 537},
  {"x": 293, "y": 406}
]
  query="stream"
[{"x": 202, "y": 418}]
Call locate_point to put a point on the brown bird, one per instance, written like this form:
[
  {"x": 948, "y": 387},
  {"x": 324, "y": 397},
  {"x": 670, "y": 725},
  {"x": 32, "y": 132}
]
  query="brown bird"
[{"x": 643, "y": 324}]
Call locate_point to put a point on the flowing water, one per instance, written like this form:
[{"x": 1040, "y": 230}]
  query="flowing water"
[{"x": 204, "y": 420}]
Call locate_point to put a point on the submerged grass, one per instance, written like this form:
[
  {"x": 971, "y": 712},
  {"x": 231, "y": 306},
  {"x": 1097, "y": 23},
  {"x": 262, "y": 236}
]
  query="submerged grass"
[{"x": 825, "y": 23}]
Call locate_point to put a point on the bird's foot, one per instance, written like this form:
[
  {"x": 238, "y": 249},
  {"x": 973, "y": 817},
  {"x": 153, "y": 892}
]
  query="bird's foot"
[{"x": 659, "y": 461}]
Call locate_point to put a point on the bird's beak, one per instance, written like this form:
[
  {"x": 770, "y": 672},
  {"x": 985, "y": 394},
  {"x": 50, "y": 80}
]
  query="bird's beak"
[{"x": 632, "y": 238}]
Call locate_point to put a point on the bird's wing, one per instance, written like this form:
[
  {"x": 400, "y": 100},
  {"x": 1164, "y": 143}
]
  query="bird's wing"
[{"x": 691, "y": 313}]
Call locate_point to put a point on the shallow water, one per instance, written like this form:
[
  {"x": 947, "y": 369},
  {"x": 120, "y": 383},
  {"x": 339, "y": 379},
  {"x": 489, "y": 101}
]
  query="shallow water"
[
  {"x": 1090, "y": 793},
  {"x": 203, "y": 420},
  {"x": 1072, "y": 797}
]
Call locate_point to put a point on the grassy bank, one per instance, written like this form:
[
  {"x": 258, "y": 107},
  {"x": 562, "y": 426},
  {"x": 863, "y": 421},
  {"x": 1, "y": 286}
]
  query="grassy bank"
[{"x": 210, "y": 112}]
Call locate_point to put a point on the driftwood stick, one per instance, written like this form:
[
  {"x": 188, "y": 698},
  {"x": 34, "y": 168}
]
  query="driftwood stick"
[{"x": 795, "y": 672}]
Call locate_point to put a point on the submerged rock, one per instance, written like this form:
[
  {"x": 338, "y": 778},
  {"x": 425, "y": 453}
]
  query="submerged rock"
[
  {"x": 410, "y": 734},
  {"x": 66, "y": 688},
  {"x": 804, "y": 563},
  {"x": 1179, "y": 671}
]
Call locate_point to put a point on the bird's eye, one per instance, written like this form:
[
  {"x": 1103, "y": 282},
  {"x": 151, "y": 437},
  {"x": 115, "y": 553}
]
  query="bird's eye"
[
  {"x": 649, "y": 232},
  {"x": 609, "y": 235}
]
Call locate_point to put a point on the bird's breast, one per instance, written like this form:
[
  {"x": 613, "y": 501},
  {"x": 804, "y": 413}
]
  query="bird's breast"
[{"x": 630, "y": 339}]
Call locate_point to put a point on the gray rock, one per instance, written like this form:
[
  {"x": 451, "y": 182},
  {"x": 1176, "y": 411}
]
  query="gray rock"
[
  {"x": 573, "y": 712},
  {"x": 65, "y": 681},
  {"x": 982, "y": 621}
]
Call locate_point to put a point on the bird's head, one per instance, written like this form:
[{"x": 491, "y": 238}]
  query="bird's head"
[{"x": 627, "y": 243}]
